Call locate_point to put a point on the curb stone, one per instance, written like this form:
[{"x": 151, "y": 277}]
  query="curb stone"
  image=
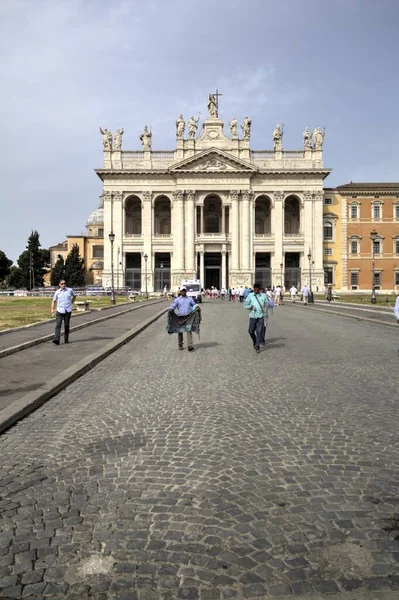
[{"x": 28, "y": 403}]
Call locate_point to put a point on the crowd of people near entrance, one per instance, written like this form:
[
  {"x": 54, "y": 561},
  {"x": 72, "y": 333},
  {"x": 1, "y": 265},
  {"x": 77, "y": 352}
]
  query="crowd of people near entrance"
[{"x": 239, "y": 294}]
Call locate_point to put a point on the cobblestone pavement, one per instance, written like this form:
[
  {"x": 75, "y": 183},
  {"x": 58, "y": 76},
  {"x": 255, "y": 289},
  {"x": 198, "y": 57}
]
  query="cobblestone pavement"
[{"x": 213, "y": 475}]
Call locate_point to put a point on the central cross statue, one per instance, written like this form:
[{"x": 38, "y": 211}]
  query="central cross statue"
[{"x": 213, "y": 104}]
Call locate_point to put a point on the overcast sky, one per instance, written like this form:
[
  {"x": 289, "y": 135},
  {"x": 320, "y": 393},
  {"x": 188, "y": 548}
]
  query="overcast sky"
[{"x": 70, "y": 66}]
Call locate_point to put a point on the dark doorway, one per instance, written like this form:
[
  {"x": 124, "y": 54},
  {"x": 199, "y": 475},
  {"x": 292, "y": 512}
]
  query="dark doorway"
[
  {"x": 213, "y": 269},
  {"x": 133, "y": 270},
  {"x": 292, "y": 270},
  {"x": 263, "y": 272},
  {"x": 162, "y": 271}
]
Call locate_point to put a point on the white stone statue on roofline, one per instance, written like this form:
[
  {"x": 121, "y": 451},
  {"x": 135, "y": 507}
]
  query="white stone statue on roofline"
[
  {"x": 233, "y": 127},
  {"x": 107, "y": 139},
  {"x": 146, "y": 138},
  {"x": 246, "y": 128},
  {"x": 213, "y": 106},
  {"x": 318, "y": 138},
  {"x": 117, "y": 145},
  {"x": 278, "y": 138},
  {"x": 180, "y": 127},
  {"x": 192, "y": 127},
  {"x": 307, "y": 139}
]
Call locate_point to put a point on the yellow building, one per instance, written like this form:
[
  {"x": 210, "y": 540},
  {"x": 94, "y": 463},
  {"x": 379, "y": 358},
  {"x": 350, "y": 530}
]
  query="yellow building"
[
  {"x": 332, "y": 238},
  {"x": 91, "y": 247}
]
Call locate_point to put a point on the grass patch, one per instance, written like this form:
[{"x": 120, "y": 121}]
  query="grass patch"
[
  {"x": 22, "y": 311},
  {"x": 360, "y": 299}
]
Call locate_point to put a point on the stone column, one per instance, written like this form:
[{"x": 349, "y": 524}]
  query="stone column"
[
  {"x": 202, "y": 268},
  {"x": 223, "y": 219},
  {"x": 224, "y": 267},
  {"x": 178, "y": 234},
  {"x": 318, "y": 257},
  {"x": 118, "y": 230},
  {"x": 201, "y": 218},
  {"x": 235, "y": 240},
  {"x": 189, "y": 231},
  {"x": 245, "y": 231},
  {"x": 146, "y": 232},
  {"x": 278, "y": 234}
]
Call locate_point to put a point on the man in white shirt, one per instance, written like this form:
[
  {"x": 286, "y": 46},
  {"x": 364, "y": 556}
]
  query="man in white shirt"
[
  {"x": 305, "y": 294},
  {"x": 63, "y": 299},
  {"x": 277, "y": 295},
  {"x": 293, "y": 292}
]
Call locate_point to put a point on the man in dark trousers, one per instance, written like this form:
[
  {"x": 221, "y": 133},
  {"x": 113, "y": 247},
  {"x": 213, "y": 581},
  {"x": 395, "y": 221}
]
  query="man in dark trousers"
[{"x": 63, "y": 300}]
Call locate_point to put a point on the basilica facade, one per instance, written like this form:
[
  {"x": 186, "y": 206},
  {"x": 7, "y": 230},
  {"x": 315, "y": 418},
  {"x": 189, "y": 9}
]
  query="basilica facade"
[{"x": 212, "y": 208}]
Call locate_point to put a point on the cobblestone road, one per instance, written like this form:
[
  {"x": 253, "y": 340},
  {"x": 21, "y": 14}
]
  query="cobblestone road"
[{"x": 213, "y": 475}]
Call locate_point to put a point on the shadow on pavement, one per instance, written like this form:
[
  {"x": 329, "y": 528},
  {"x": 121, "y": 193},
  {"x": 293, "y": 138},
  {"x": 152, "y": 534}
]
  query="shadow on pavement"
[{"x": 207, "y": 345}]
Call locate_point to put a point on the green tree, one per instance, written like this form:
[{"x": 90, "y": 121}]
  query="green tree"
[
  {"x": 14, "y": 278},
  {"x": 5, "y": 264},
  {"x": 58, "y": 271},
  {"x": 31, "y": 263},
  {"x": 74, "y": 268}
]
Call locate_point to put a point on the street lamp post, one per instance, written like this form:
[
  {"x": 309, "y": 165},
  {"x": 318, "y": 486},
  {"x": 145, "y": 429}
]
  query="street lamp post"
[
  {"x": 146, "y": 285},
  {"x": 373, "y": 237},
  {"x": 161, "y": 267},
  {"x": 112, "y": 239},
  {"x": 311, "y": 297}
]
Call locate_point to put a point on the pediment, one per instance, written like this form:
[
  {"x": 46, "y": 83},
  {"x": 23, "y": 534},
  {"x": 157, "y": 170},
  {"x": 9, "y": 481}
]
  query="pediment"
[
  {"x": 330, "y": 215},
  {"x": 213, "y": 161}
]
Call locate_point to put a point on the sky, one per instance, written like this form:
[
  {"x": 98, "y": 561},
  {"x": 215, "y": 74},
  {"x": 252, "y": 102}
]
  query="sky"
[{"x": 70, "y": 66}]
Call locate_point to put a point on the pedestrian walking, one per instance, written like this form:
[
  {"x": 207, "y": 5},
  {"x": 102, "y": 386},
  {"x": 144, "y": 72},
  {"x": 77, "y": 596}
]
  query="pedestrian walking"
[
  {"x": 305, "y": 294},
  {"x": 222, "y": 293},
  {"x": 293, "y": 293},
  {"x": 277, "y": 295},
  {"x": 229, "y": 292},
  {"x": 186, "y": 320},
  {"x": 257, "y": 304},
  {"x": 61, "y": 304},
  {"x": 233, "y": 294}
]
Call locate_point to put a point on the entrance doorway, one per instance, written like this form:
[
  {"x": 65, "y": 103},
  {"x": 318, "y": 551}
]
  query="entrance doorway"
[
  {"x": 213, "y": 269},
  {"x": 292, "y": 271}
]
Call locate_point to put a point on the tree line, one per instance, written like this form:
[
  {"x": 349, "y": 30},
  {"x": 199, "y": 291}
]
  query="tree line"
[{"x": 34, "y": 262}]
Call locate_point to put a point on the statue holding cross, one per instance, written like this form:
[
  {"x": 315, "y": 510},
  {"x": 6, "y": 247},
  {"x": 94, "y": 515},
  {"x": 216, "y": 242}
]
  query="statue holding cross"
[{"x": 213, "y": 105}]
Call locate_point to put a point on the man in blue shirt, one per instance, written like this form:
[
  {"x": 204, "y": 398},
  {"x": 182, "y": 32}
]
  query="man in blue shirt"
[
  {"x": 257, "y": 305},
  {"x": 184, "y": 307},
  {"x": 63, "y": 299}
]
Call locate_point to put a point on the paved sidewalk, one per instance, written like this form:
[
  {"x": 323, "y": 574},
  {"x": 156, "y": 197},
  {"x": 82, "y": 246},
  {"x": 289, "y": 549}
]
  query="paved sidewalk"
[
  {"x": 26, "y": 334},
  {"x": 28, "y": 370},
  {"x": 213, "y": 475},
  {"x": 378, "y": 314}
]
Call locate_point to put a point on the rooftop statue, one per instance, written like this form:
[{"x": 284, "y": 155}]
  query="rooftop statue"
[
  {"x": 246, "y": 128},
  {"x": 213, "y": 106},
  {"x": 107, "y": 139},
  {"x": 233, "y": 127},
  {"x": 180, "y": 127},
  {"x": 192, "y": 127},
  {"x": 117, "y": 145},
  {"x": 146, "y": 138},
  {"x": 318, "y": 138},
  {"x": 278, "y": 138},
  {"x": 307, "y": 139}
]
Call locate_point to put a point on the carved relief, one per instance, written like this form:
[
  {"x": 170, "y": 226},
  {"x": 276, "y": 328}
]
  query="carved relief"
[
  {"x": 307, "y": 196},
  {"x": 146, "y": 196},
  {"x": 177, "y": 195},
  {"x": 278, "y": 196}
]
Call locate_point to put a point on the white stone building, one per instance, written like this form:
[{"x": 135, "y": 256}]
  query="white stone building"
[{"x": 212, "y": 208}]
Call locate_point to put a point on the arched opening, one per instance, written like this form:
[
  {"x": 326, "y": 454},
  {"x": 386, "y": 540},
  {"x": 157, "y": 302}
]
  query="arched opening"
[
  {"x": 162, "y": 216},
  {"x": 291, "y": 216},
  {"x": 133, "y": 216},
  {"x": 262, "y": 215},
  {"x": 212, "y": 214},
  {"x": 328, "y": 230}
]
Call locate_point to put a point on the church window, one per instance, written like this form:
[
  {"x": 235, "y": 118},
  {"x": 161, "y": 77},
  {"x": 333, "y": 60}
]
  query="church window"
[
  {"x": 328, "y": 230},
  {"x": 328, "y": 275},
  {"x": 377, "y": 211},
  {"x": 98, "y": 252},
  {"x": 377, "y": 247}
]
